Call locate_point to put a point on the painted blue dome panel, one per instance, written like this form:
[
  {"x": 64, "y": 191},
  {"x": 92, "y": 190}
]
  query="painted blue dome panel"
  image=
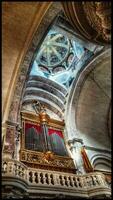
[{"x": 59, "y": 58}]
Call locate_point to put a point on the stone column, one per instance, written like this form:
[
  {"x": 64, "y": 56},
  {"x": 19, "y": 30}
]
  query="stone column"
[
  {"x": 75, "y": 145},
  {"x": 8, "y": 140},
  {"x": 4, "y": 126},
  {"x": 17, "y": 142}
]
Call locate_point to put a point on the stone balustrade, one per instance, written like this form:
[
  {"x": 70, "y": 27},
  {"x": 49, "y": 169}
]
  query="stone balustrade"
[
  {"x": 53, "y": 179},
  {"x": 41, "y": 177},
  {"x": 14, "y": 168}
]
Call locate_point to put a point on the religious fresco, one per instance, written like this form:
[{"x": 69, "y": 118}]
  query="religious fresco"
[{"x": 53, "y": 50}]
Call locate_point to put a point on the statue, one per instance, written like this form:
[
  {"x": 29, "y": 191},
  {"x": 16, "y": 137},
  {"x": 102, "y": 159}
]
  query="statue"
[{"x": 38, "y": 107}]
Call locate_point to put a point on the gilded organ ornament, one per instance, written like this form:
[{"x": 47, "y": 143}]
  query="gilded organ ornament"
[{"x": 42, "y": 142}]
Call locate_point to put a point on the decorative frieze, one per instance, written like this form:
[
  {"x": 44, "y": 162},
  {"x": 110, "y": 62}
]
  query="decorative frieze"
[{"x": 39, "y": 160}]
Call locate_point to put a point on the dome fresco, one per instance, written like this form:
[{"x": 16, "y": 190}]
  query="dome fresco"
[
  {"x": 60, "y": 58},
  {"x": 54, "y": 49}
]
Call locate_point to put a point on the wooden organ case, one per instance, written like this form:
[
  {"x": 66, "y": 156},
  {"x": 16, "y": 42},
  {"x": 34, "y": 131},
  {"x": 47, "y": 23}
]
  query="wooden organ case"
[{"x": 42, "y": 143}]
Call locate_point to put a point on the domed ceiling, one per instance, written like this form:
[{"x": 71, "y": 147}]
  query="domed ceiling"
[
  {"x": 57, "y": 61},
  {"x": 59, "y": 58},
  {"x": 54, "y": 50}
]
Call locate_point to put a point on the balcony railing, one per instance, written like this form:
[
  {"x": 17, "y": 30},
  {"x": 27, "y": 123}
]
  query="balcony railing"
[{"x": 87, "y": 185}]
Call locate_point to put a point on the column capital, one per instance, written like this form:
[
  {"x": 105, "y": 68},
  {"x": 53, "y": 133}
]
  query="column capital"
[{"x": 75, "y": 140}]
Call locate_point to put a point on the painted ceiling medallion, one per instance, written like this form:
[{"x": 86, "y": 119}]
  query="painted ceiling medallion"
[{"x": 54, "y": 50}]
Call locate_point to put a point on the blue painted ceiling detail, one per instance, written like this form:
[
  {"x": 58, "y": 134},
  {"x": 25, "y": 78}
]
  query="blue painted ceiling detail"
[{"x": 59, "y": 58}]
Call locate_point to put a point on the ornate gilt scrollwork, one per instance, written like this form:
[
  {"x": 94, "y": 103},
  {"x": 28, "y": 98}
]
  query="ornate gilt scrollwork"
[{"x": 47, "y": 160}]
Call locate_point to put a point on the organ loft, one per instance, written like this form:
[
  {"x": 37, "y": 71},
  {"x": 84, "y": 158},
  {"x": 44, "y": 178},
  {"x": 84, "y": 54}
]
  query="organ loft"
[{"x": 56, "y": 100}]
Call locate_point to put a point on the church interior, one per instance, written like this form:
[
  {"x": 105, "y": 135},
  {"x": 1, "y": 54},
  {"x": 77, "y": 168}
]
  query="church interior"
[{"x": 56, "y": 100}]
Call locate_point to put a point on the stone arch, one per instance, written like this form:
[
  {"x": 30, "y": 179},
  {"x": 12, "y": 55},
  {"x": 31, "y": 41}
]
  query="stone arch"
[
  {"x": 13, "y": 117},
  {"x": 101, "y": 162},
  {"x": 71, "y": 107},
  {"x": 25, "y": 67}
]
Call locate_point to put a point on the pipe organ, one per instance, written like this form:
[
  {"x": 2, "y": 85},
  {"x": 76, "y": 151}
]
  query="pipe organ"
[{"x": 42, "y": 142}]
